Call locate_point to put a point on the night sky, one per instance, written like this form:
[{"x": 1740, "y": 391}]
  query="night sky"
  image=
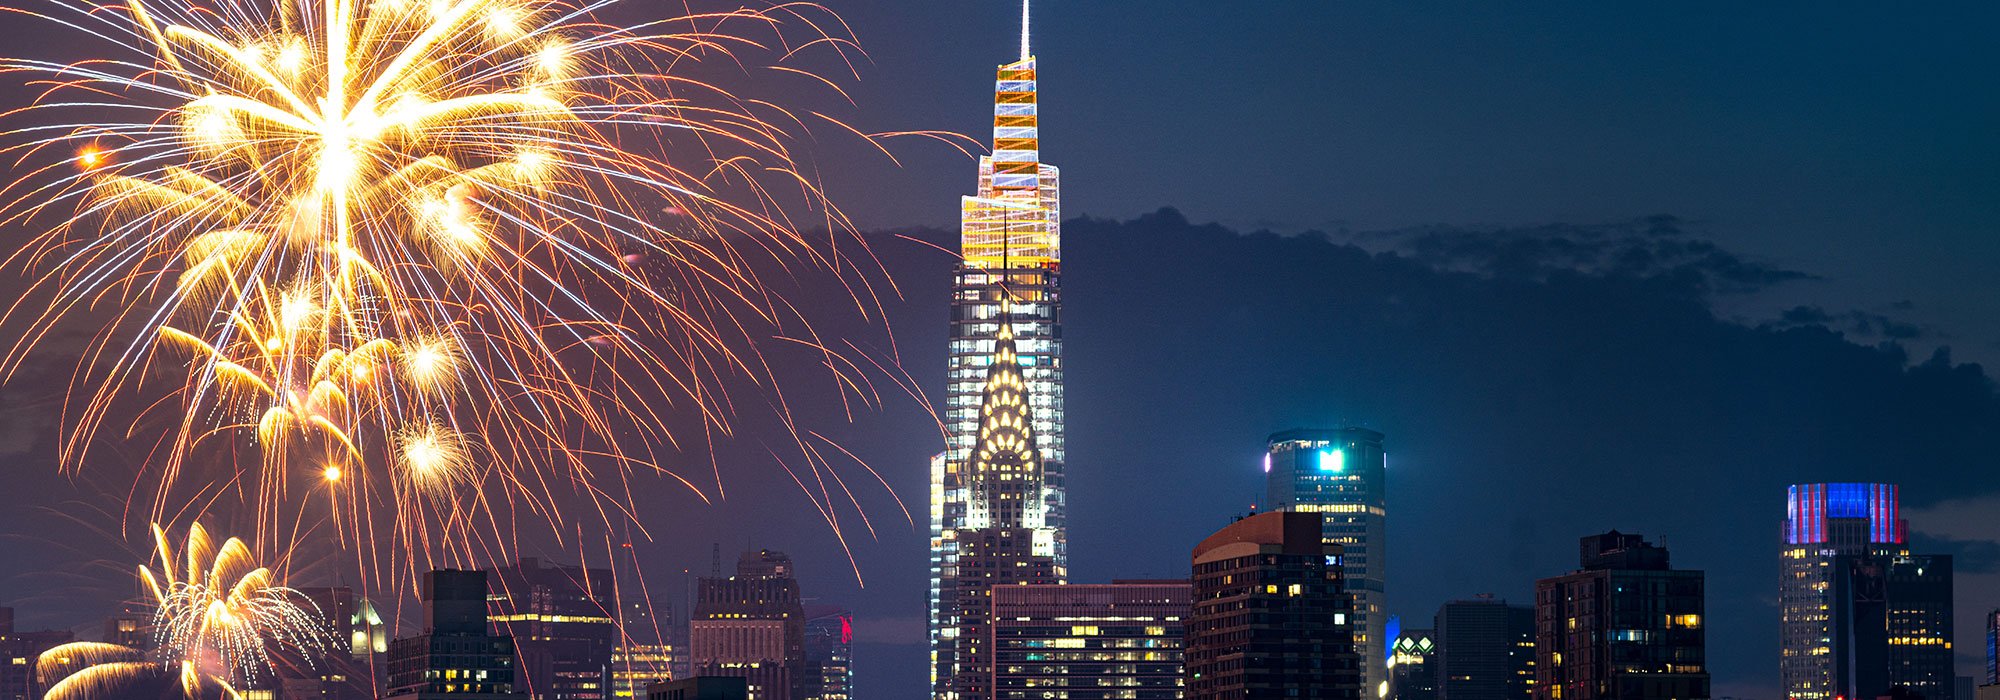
[{"x": 1587, "y": 266}]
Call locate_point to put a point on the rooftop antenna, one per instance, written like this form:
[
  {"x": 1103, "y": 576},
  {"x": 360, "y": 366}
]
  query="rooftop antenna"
[
  {"x": 715, "y": 560},
  {"x": 1024, "y": 30}
]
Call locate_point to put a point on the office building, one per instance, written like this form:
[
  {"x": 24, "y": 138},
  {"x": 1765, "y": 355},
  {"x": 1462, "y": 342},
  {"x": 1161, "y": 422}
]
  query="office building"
[
  {"x": 131, "y": 626},
  {"x": 1270, "y": 617},
  {"x": 700, "y": 688},
  {"x": 1892, "y": 625},
  {"x": 560, "y": 619},
  {"x": 1413, "y": 665},
  {"x": 1486, "y": 650},
  {"x": 752, "y": 626},
  {"x": 1341, "y": 474},
  {"x": 645, "y": 650},
  {"x": 356, "y": 635},
  {"x": 1860, "y": 613},
  {"x": 1626, "y": 625},
  {"x": 1993, "y": 647},
  {"x": 456, "y": 657},
  {"x": 1004, "y": 537},
  {"x": 830, "y": 652},
  {"x": 1116, "y": 640},
  {"x": 19, "y": 651},
  {"x": 1008, "y": 280}
]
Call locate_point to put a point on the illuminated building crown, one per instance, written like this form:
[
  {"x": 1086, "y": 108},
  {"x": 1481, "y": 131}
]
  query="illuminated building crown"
[
  {"x": 1017, "y": 213},
  {"x": 1006, "y": 475}
]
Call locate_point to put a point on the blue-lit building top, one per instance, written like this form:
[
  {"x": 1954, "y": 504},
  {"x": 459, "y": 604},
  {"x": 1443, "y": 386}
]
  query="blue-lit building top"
[
  {"x": 1340, "y": 474},
  {"x": 1825, "y": 525},
  {"x": 1810, "y": 508},
  {"x": 1993, "y": 647}
]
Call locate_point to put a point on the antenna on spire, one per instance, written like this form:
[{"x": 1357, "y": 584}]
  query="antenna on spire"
[{"x": 1024, "y": 30}]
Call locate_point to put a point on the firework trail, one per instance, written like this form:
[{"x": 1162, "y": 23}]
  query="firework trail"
[
  {"x": 436, "y": 264},
  {"x": 91, "y": 670}
]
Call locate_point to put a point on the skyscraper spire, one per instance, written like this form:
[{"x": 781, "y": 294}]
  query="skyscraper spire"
[
  {"x": 998, "y": 500},
  {"x": 1024, "y": 30}
]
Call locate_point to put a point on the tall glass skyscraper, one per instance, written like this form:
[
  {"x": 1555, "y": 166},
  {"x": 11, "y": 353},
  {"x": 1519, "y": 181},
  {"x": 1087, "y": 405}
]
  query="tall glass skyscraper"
[
  {"x": 1340, "y": 474},
  {"x": 989, "y": 494},
  {"x": 1860, "y": 613},
  {"x": 1992, "y": 648}
]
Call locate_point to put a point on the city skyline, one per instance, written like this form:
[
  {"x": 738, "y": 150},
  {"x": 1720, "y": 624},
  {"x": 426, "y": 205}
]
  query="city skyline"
[{"x": 1153, "y": 329}]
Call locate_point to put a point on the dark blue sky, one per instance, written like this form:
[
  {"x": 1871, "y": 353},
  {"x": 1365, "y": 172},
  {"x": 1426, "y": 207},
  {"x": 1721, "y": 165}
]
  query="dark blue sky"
[
  {"x": 1853, "y": 143},
  {"x": 1852, "y": 139}
]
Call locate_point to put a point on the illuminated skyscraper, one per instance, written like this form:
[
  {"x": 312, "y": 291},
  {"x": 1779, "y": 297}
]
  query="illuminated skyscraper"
[
  {"x": 646, "y": 648},
  {"x": 456, "y": 657},
  {"x": 1860, "y": 612},
  {"x": 645, "y": 651},
  {"x": 752, "y": 626},
  {"x": 997, "y": 497},
  {"x": 346, "y": 670},
  {"x": 1341, "y": 474},
  {"x": 1413, "y": 665},
  {"x": 1992, "y": 647}
]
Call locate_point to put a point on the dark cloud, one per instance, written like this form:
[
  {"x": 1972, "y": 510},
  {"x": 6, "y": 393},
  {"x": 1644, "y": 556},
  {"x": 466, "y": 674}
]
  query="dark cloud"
[
  {"x": 1968, "y": 556},
  {"x": 1863, "y": 324},
  {"x": 1655, "y": 247},
  {"x": 1575, "y": 377}
]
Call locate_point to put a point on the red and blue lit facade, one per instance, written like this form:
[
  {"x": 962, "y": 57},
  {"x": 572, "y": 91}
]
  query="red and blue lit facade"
[{"x": 1810, "y": 507}]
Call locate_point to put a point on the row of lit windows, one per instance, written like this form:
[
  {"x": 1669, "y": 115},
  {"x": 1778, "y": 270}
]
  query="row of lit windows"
[
  {"x": 1101, "y": 681},
  {"x": 1920, "y": 641},
  {"x": 1102, "y": 656}
]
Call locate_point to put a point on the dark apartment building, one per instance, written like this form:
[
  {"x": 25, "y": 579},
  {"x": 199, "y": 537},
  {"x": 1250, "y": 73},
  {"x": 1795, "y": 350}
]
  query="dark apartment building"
[
  {"x": 1486, "y": 650},
  {"x": 1270, "y": 617},
  {"x": 456, "y": 657},
  {"x": 560, "y": 618},
  {"x": 1626, "y": 625}
]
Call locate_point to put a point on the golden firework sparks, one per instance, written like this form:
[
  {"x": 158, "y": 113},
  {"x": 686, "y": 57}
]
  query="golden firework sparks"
[
  {"x": 413, "y": 250},
  {"x": 224, "y": 614},
  {"x": 217, "y": 618}
]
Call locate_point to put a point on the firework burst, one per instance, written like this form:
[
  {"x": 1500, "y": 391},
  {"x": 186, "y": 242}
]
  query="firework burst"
[
  {"x": 432, "y": 259},
  {"x": 226, "y": 615},
  {"x": 218, "y": 618}
]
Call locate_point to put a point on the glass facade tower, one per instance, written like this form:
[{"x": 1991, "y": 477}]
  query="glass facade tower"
[
  {"x": 1860, "y": 613},
  {"x": 1992, "y": 648},
  {"x": 1002, "y": 499},
  {"x": 1341, "y": 474}
]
